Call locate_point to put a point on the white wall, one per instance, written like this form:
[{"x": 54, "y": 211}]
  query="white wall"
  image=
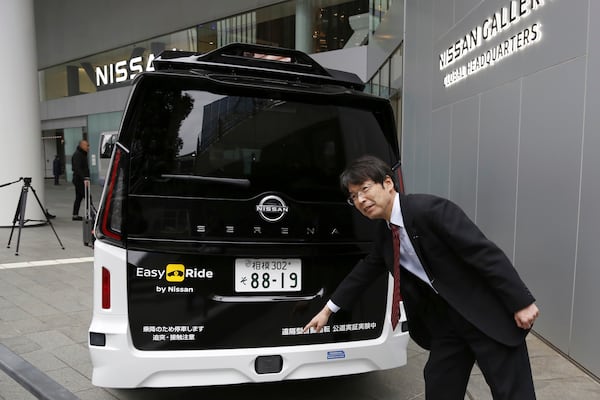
[{"x": 21, "y": 152}]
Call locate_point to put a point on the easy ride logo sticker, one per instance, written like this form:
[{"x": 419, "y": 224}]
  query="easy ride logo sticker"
[{"x": 174, "y": 273}]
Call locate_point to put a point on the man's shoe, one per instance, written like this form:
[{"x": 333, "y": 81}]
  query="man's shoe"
[{"x": 77, "y": 218}]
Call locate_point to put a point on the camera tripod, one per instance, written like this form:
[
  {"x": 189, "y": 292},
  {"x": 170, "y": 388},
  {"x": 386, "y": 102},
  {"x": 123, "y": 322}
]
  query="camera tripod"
[{"x": 20, "y": 214}]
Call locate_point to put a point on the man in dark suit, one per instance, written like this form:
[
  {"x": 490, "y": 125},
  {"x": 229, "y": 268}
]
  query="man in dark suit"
[
  {"x": 56, "y": 169},
  {"x": 81, "y": 170},
  {"x": 463, "y": 298}
]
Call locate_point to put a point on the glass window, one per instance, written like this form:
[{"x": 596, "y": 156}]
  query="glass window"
[
  {"x": 110, "y": 69},
  {"x": 187, "y": 142},
  {"x": 326, "y": 25},
  {"x": 332, "y": 29}
]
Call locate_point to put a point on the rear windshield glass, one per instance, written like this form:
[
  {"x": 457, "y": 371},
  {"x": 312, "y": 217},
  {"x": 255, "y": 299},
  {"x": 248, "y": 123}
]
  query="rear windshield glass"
[{"x": 190, "y": 142}]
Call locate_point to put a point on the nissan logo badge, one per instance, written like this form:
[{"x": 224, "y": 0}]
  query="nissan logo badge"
[{"x": 272, "y": 208}]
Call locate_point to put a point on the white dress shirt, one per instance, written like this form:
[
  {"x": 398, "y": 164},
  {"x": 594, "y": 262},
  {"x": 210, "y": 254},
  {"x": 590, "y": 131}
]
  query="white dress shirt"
[{"x": 408, "y": 257}]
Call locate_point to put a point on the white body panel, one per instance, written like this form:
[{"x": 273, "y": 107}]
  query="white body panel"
[{"x": 119, "y": 364}]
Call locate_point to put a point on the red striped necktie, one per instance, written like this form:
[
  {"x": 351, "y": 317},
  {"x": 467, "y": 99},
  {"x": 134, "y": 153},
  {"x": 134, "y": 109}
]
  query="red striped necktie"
[{"x": 397, "y": 297}]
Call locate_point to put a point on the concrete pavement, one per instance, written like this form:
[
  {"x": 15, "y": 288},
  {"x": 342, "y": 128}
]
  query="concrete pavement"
[{"x": 45, "y": 310}]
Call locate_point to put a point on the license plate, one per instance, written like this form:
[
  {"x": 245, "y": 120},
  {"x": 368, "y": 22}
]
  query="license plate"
[{"x": 262, "y": 275}]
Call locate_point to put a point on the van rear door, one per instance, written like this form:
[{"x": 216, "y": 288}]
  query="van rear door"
[{"x": 236, "y": 229}]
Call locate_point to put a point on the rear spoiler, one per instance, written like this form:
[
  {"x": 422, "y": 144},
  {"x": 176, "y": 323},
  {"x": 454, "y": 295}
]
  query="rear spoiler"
[{"x": 242, "y": 58}]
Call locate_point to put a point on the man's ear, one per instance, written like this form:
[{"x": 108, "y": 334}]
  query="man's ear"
[{"x": 388, "y": 183}]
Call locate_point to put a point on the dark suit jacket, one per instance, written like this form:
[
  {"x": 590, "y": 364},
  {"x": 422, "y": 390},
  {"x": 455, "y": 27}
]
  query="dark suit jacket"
[
  {"x": 467, "y": 270},
  {"x": 80, "y": 165}
]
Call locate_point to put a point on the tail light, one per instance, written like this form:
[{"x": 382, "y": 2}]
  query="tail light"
[
  {"x": 105, "y": 288},
  {"x": 110, "y": 221},
  {"x": 397, "y": 168}
]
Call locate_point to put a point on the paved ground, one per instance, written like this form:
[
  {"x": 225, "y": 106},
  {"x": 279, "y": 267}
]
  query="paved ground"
[{"x": 45, "y": 310}]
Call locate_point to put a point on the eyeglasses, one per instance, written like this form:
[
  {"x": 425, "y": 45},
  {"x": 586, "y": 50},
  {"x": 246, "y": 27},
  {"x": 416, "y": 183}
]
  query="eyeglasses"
[{"x": 354, "y": 196}]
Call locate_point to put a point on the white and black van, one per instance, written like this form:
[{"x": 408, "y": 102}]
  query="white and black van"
[{"x": 222, "y": 229}]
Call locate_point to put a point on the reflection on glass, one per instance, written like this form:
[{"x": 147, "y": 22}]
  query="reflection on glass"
[{"x": 238, "y": 147}]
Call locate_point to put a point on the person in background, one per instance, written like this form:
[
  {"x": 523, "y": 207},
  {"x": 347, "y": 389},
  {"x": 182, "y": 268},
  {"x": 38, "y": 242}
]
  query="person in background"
[
  {"x": 56, "y": 169},
  {"x": 81, "y": 170},
  {"x": 464, "y": 300}
]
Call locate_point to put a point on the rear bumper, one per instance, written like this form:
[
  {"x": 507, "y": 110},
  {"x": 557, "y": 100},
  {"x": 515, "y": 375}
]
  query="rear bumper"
[{"x": 118, "y": 364}]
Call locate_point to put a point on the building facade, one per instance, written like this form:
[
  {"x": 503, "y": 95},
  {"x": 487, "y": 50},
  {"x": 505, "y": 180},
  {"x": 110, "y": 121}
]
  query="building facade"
[
  {"x": 85, "y": 72},
  {"x": 498, "y": 108},
  {"x": 501, "y": 115}
]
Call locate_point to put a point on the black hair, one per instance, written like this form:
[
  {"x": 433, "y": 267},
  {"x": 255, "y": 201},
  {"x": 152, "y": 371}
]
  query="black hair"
[{"x": 363, "y": 169}]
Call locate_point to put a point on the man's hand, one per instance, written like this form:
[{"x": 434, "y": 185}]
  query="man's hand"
[
  {"x": 319, "y": 320},
  {"x": 526, "y": 317}
]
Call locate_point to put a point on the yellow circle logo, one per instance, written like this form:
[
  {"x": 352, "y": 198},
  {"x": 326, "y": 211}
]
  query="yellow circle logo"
[{"x": 175, "y": 273}]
